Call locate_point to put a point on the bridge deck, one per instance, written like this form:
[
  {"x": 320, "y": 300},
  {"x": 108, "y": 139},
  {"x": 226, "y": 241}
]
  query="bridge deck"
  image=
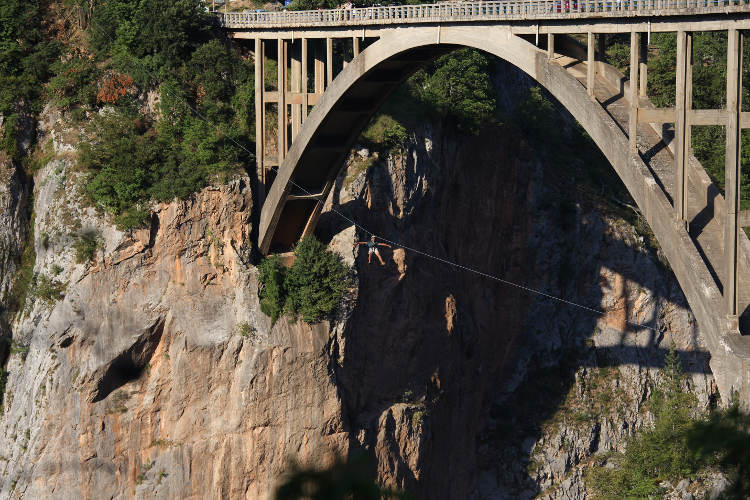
[{"x": 468, "y": 12}]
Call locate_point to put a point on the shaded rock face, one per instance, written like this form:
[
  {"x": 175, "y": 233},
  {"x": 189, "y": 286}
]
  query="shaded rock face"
[
  {"x": 501, "y": 392},
  {"x": 15, "y": 211},
  {"x": 157, "y": 375}
]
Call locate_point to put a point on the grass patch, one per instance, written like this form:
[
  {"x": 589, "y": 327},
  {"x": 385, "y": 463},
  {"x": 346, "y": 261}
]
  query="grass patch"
[
  {"x": 22, "y": 280},
  {"x": 247, "y": 330},
  {"x": 47, "y": 289},
  {"x": 385, "y": 131},
  {"x": 85, "y": 246}
]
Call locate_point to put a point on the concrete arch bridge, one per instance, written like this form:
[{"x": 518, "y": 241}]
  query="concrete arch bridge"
[{"x": 324, "y": 102}]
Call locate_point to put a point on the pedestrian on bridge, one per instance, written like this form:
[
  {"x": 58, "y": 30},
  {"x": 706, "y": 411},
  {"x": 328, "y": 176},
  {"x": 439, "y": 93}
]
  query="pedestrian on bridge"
[{"x": 372, "y": 248}]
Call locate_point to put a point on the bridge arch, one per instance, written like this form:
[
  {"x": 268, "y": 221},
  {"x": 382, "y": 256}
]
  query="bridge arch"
[{"x": 318, "y": 153}]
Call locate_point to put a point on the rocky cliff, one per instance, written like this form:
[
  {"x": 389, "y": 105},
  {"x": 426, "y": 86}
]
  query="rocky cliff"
[{"x": 149, "y": 371}]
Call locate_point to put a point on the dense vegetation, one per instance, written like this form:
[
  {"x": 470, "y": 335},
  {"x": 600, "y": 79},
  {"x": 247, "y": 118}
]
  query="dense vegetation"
[
  {"x": 657, "y": 454},
  {"x": 455, "y": 89},
  {"x": 202, "y": 126},
  {"x": 681, "y": 444},
  {"x": 105, "y": 68},
  {"x": 310, "y": 289},
  {"x": 28, "y": 47}
]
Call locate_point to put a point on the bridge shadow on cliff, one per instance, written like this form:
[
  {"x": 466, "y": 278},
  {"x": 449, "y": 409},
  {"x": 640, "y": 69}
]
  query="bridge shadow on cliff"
[{"x": 451, "y": 375}]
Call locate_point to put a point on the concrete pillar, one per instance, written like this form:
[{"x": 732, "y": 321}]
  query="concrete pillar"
[
  {"x": 260, "y": 133},
  {"x": 732, "y": 173},
  {"x": 590, "y": 64},
  {"x": 633, "y": 122},
  {"x": 355, "y": 45},
  {"x": 304, "y": 79},
  {"x": 296, "y": 86},
  {"x": 282, "y": 86},
  {"x": 550, "y": 46},
  {"x": 643, "y": 68},
  {"x": 329, "y": 61},
  {"x": 320, "y": 83},
  {"x": 683, "y": 103}
]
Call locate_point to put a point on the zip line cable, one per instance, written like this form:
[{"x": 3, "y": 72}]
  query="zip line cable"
[{"x": 333, "y": 209}]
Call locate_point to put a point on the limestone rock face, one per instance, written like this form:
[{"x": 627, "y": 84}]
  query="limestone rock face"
[
  {"x": 154, "y": 374},
  {"x": 157, "y": 375}
]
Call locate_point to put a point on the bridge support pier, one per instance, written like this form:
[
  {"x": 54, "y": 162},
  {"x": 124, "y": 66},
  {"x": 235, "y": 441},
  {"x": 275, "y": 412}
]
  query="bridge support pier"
[
  {"x": 319, "y": 70},
  {"x": 643, "y": 67},
  {"x": 550, "y": 46},
  {"x": 329, "y": 61},
  {"x": 296, "y": 87},
  {"x": 282, "y": 86},
  {"x": 590, "y": 64},
  {"x": 260, "y": 119},
  {"x": 304, "y": 82},
  {"x": 683, "y": 105},
  {"x": 732, "y": 176},
  {"x": 633, "y": 121}
]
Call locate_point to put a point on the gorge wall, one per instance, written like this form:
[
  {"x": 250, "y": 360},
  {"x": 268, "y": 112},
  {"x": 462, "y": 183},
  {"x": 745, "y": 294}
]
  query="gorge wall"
[{"x": 153, "y": 374}]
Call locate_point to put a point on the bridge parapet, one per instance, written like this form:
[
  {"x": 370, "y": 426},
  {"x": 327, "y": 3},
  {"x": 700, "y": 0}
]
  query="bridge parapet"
[{"x": 459, "y": 12}]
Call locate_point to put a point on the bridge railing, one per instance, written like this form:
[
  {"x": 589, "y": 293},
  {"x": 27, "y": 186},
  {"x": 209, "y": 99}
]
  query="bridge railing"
[{"x": 469, "y": 11}]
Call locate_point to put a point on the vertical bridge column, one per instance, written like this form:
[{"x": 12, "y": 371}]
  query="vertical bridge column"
[
  {"x": 633, "y": 121},
  {"x": 732, "y": 171},
  {"x": 329, "y": 61},
  {"x": 550, "y": 46},
  {"x": 260, "y": 122},
  {"x": 683, "y": 105},
  {"x": 643, "y": 67},
  {"x": 304, "y": 79},
  {"x": 282, "y": 86},
  {"x": 296, "y": 88},
  {"x": 319, "y": 70},
  {"x": 590, "y": 64}
]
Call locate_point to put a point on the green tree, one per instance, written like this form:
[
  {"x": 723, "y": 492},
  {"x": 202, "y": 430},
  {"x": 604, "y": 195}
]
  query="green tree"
[
  {"x": 26, "y": 52},
  {"x": 148, "y": 36},
  {"x": 657, "y": 454},
  {"x": 724, "y": 438},
  {"x": 316, "y": 281},
  {"x": 271, "y": 273},
  {"x": 123, "y": 159},
  {"x": 311, "y": 288},
  {"x": 458, "y": 86}
]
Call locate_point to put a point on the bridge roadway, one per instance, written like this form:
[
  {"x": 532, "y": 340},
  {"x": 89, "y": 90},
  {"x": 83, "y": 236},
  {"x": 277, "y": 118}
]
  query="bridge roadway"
[{"x": 699, "y": 232}]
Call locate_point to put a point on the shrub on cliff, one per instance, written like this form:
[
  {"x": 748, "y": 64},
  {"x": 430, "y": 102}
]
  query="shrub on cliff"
[
  {"x": 316, "y": 281},
  {"x": 271, "y": 273},
  {"x": 85, "y": 246},
  {"x": 310, "y": 289}
]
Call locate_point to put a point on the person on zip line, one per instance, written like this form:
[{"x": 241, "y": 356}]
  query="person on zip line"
[{"x": 372, "y": 248}]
